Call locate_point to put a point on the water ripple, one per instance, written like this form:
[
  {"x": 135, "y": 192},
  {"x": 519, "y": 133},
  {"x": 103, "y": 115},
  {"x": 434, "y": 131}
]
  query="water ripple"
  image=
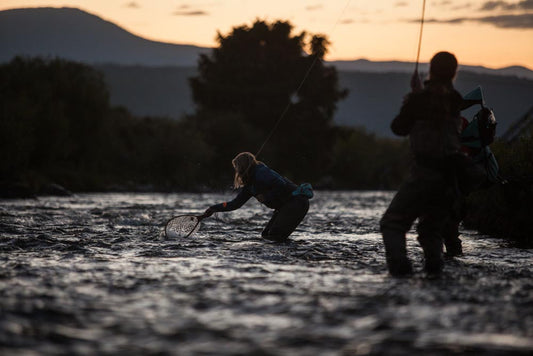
[{"x": 94, "y": 274}]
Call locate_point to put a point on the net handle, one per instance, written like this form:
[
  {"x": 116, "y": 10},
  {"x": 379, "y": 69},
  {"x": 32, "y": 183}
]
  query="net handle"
[{"x": 194, "y": 228}]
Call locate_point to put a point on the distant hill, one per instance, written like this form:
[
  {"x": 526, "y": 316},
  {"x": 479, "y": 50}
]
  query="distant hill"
[
  {"x": 363, "y": 65},
  {"x": 372, "y": 102},
  {"x": 151, "y": 78},
  {"x": 150, "y": 91},
  {"x": 77, "y": 35}
]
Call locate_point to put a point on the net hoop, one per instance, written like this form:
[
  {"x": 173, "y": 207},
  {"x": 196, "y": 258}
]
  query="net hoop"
[{"x": 182, "y": 226}]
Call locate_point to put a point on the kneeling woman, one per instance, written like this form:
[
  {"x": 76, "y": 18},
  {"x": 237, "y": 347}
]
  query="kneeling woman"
[{"x": 289, "y": 201}]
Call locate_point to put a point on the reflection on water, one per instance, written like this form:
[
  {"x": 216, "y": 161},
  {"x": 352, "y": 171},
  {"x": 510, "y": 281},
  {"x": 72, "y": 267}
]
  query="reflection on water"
[{"x": 94, "y": 274}]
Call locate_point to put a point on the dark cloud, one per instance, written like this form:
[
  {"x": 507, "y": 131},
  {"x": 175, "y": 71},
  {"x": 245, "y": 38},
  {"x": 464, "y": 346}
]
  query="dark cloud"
[
  {"x": 522, "y": 21},
  {"x": 188, "y": 10},
  {"x": 506, "y": 5},
  {"x": 497, "y": 5},
  {"x": 526, "y": 4},
  {"x": 132, "y": 5},
  {"x": 447, "y": 21},
  {"x": 510, "y": 21},
  {"x": 190, "y": 13},
  {"x": 443, "y": 3}
]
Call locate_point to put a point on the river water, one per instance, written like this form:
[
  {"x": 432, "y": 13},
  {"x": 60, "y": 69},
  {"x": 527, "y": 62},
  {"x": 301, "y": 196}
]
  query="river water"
[{"x": 94, "y": 274}]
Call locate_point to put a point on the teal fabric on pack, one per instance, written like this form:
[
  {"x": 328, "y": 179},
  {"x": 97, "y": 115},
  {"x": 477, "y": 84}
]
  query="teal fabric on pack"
[
  {"x": 470, "y": 135},
  {"x": 304, "y": 189}
]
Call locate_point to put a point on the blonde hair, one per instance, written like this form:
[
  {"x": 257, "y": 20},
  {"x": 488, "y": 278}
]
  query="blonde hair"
[{"x": 243, "y": 164}]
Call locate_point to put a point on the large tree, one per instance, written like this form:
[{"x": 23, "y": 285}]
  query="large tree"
[{"x": 263, "y": 73}]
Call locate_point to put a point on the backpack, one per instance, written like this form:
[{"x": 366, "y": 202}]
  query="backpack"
[
  {"x": 480, "y": 132},
  {"x": 478, "y": 135},
  {"x": 486, "y": 122}
]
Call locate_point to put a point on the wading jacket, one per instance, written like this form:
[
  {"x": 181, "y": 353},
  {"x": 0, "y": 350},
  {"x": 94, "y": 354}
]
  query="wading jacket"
[
  {"x": 267, "y": 186},
  {"x": 432, "y": 120}
]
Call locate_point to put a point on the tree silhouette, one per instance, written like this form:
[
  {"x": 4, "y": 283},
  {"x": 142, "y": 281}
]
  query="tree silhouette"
[
  {"x": 57, "y": 126},
  {"x": 56, "y": 107},
  {"x": 263, "y": 71}
]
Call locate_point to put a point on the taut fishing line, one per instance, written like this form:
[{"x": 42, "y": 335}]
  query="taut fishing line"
[
  {"x": 420, "y": 35},
  {"x": 287, "y": 107}
]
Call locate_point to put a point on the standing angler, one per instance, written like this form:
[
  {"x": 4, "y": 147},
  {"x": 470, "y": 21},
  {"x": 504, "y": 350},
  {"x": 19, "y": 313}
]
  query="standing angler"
[{"x": 430, "y": 116}]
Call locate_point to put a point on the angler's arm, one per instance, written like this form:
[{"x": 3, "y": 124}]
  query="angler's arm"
[
  {"x": 241, "y": 198},
  {"x": 404, "y": 121}
]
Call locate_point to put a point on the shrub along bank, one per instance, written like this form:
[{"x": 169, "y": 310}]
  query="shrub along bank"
[{"x": 506, "y": 210}]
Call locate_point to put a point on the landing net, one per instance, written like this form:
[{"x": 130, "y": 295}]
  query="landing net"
[{"x": 182, "y": 226}]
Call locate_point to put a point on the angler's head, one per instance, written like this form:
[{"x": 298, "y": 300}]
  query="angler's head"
[
  {"x": 243, "y": 164},
  {"x": 443, "y": 67}
]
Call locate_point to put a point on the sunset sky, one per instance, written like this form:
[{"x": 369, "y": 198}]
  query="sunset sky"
[{"x": 480, "y": 32}]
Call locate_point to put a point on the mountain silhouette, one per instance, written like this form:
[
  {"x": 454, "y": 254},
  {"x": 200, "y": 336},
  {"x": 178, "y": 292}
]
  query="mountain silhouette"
[
  {"x": 364, "y": 65},
  {"x": 77, "y": 35}
]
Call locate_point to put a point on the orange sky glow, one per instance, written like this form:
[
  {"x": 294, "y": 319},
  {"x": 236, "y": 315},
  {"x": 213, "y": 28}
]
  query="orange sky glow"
[{"x": 480, "y": 32}]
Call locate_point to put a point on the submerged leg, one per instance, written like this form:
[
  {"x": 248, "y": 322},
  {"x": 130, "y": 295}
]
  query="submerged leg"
[
  {"x": 451, "y": 238},
  {"x": 431, "y": 241},
  {"x": 431, "y": 226},
  {"x": 394, "y": 224},
  {"x": 286, "y": 219},
  {"x": 451, "y": 229},
  {"x": 396, "y": 253}
]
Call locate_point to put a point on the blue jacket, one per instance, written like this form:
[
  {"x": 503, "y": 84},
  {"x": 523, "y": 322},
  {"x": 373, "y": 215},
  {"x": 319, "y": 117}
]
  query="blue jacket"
[{"x": 267, "y": 186}]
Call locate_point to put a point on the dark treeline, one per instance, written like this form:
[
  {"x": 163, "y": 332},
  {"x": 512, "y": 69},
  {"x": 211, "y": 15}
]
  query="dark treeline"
[{"x": 57, "y": 126}]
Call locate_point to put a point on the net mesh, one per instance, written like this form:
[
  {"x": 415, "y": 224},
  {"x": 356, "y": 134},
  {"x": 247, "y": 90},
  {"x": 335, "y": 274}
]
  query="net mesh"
[{"x": 182, "y": 226}]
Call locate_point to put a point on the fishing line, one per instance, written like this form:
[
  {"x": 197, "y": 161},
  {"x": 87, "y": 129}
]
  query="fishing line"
[
  {"x": 293, "y": 97},
  {"x": 420, "y": 35}
]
